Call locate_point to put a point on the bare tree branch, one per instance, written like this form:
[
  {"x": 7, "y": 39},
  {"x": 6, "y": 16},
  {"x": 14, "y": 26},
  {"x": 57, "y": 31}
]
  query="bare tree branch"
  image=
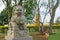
[
  {"x": 4, "y": 2},
  {"x": 56, "y": 5},
  {"x": 20, "y": 2}
]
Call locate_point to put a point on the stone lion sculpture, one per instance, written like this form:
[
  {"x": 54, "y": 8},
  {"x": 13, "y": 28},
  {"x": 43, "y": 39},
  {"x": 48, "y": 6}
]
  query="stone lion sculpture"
[
  {"x": 18, "y": 19},
  {"x": 17, "y": 26}
]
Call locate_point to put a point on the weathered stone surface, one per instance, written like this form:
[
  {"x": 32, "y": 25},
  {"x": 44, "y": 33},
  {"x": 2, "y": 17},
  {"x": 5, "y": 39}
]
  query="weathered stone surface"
[
  {"x": 19, "y": 38},
  {"x": 17, "y": 26}
]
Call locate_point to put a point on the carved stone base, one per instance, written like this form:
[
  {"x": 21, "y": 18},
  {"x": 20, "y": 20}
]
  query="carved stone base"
[
  {"x": 18, "y": 35},
  {"x": 19, "y": 38}
]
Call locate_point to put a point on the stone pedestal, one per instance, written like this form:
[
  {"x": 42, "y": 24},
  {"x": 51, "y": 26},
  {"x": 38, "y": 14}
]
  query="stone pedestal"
[
  {"x": 19, "y": 38},
  {"x": 18, "y": 35}
]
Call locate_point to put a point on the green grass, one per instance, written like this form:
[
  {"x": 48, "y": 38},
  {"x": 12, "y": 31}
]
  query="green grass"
[
  {"x": 55, "y": 36},
  {"x": 2, "y": 36}
]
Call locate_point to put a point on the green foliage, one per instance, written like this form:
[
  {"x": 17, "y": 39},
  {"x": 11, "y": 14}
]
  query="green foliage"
[
  {"x": 4, "y": 15},
  {"x": 29, "y": 5},
  {"x": 55, "y": 36}
]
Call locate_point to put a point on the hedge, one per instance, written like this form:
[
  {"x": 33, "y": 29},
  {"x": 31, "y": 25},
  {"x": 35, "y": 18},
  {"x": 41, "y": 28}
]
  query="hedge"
[{"x": 31, "y": 28}]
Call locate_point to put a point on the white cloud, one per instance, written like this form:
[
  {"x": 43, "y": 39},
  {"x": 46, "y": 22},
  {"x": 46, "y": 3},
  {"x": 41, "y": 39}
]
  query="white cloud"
[{"x": 2, "y": 6}]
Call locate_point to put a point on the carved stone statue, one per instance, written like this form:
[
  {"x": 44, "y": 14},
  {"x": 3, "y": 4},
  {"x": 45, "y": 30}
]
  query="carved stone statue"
[{"x": 17, "y": 26}]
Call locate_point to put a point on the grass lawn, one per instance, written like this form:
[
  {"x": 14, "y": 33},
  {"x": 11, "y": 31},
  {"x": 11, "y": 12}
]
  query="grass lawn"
[
  {"x": 54, "y": 36},
  {"x": 2, "y": 36}
]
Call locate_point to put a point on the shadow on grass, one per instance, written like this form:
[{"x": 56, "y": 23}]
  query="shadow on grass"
[
  {"x": 2, "y": 36},
  {"x": 53, "y": 34}
]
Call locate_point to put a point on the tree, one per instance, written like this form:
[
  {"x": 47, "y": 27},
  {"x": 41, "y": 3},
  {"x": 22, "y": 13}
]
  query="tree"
[
  {"x": 45, "y": 12},
  {"x": 52, "y": 9},
  {"x": 29, "y": 5},
  {"x": 8, "y": 6},
  {"x": 20, "y": 2},
  {"x": 4, "y": 16}
]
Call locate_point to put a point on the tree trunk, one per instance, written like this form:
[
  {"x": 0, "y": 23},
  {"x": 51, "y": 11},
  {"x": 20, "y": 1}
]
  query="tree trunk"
[
  {"x": 15, "y": 2},
  {"x": 20, "y": 3},
  {"x": 52, "y": 14},
  {"x": 51, "y": 23}
]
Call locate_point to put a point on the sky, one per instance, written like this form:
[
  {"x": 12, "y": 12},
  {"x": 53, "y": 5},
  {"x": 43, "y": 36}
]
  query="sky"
[
  {"x": 57, "y": 13},
  {"x": 47, "y": 19},
  {"x": 1, "y": 6}
]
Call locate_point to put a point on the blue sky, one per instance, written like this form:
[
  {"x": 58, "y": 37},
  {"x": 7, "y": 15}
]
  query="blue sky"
[{"x": 42, "y": 9}]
